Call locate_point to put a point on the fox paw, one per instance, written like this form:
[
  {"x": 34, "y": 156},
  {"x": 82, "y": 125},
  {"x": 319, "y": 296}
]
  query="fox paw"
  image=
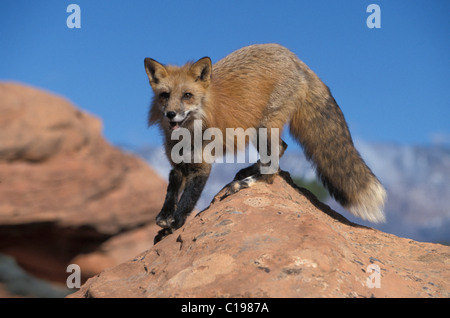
[
  {"x": 236, "y": 186},
  {"x": 165, "y": 222}
]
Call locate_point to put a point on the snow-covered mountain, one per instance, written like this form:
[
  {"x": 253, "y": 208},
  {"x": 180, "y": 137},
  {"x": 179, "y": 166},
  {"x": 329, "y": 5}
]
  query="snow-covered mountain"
[
  {"x": 416, "y": 179},
  {"x": 417, "y": 182}
]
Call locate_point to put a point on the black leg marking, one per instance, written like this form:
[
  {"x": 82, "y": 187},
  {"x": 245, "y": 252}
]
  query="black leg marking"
[
  {"x": 247, "y": 172},
  {"x": 165, "y": 217},
  {"x": 195, "y": 182}
]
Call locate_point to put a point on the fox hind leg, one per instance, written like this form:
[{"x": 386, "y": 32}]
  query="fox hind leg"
[
  {"x": 247, "y": 172},
  {"x": 246, "y": 177}
]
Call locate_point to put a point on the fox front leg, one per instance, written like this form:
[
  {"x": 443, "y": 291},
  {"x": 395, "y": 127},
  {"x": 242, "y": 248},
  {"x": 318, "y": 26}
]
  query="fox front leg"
[
  {"x": 197, "y": 175},
  {"x": 176, "y": 181}
]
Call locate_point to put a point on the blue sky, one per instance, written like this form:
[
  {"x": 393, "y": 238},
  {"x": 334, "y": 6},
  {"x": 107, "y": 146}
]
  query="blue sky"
[{"x": 392, "y": 83}]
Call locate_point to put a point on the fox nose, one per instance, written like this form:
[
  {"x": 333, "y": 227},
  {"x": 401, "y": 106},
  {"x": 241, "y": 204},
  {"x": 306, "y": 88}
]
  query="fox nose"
[{"x": 171, "y": 114}]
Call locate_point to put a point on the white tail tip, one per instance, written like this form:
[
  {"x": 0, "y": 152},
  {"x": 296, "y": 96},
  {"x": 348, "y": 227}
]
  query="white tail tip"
[{"x": 369, "y": 205}]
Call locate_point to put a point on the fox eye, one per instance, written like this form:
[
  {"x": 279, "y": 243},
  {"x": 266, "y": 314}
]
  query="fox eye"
[
  {"x": 164, "y": 95},
  {"x": 187, "y": 96}
]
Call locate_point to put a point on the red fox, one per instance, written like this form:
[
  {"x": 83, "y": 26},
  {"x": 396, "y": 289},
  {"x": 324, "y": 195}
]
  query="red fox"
[{"x": 258, "y": 86}]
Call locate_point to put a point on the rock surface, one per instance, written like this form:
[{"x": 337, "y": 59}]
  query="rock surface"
[
  {"x": 277, "y": 241},
  {"x": 66, "y": 195}
]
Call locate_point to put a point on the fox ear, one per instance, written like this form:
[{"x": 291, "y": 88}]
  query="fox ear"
[
  {"x": 155, "y": 70},
  {"x": 201, "y": 70}
]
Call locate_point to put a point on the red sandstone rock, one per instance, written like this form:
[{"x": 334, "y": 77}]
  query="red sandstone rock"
[
  {"x": 275, "y": 241},
  {"x": 64, "y": 191}
]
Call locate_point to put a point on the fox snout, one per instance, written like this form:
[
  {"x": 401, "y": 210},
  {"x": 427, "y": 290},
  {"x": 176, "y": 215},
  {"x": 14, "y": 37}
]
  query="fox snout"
[{"x": 176, "y": 119}]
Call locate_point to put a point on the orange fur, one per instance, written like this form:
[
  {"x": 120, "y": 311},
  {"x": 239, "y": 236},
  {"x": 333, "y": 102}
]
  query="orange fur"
[{"x": 268, "y": 86}]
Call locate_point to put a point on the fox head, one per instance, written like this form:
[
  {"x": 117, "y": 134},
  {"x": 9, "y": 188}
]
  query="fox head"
[{"x": 178, "y": 92}]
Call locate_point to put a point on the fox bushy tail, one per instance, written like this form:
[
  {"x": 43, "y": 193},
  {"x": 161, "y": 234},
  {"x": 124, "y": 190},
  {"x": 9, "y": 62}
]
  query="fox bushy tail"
[{"x": 319, "y": 125}]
